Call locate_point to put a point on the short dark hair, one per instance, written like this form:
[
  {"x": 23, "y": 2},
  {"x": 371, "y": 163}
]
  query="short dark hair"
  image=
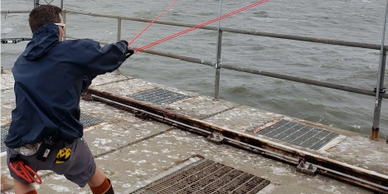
[{"x": 44, "y": 14}]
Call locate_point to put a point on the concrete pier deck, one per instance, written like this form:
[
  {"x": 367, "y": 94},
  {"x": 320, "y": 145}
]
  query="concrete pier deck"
[{"x": 133, "y": 150}]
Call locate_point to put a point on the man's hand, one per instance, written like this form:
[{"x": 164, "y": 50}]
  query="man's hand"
[{"x": 129, "y": 52}]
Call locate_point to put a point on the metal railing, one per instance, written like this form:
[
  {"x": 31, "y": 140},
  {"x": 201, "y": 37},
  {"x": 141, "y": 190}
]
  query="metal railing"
[{"x": 218, "y": 65}]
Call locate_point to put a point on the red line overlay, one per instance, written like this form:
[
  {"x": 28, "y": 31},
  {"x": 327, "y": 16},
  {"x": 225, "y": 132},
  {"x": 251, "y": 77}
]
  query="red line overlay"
[
  {"x": 157, "y": 17},
  {"x": 199, "y": 26}
]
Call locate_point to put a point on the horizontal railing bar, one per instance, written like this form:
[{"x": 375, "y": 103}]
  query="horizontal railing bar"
[
  {"x": 15, "y": 11},
  {"x": 264, "y": 73},
  {"x": 268, "y": 74},
  {"x": 302, "y": 80},
  {"x": 140, "y": 19},
  {"x": 306, "y": 39},
  {"x": 231, "y": 30},
  {"x": 103, "y": 15},
  {"x": 180, "y": 57},
  {"x": 251, "y": 32},
  {"x": 163, "y": 54}
]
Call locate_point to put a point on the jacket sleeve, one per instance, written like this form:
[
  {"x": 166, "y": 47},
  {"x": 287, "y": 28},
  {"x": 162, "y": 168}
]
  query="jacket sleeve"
[{"x": 95, "y": 59}]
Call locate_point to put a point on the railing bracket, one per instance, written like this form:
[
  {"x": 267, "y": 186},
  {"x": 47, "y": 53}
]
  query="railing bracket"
[
  {"x": 216, "y": 138},
  {"x": 382, "y": 90},
  {"x": 307, "y": 168}
]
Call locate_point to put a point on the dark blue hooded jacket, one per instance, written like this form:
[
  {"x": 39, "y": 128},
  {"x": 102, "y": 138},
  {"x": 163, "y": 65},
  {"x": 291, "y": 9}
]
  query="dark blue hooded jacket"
[{"x": 49, "y": 78}]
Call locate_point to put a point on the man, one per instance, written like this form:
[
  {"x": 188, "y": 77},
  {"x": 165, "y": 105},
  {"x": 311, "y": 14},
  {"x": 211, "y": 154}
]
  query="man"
[{"x": 50, "y": 75}]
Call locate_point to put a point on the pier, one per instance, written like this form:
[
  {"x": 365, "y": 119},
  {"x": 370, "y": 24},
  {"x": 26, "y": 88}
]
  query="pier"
[
  {"x": 151, "y": 138},
  {"x": 142, "y": 133}
]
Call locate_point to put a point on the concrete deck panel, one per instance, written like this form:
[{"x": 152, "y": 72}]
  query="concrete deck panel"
[
  {"x": 243, "y": 119},
  {"x": 139, "y": 162},
  {"x": 110, "y": 78},
  {"x": 7, "y": 105},
  {"x": 200, "y": 107},
  {"x": 131, "y": 86},
  {"x": 120, "y": 128},
  {"x": 6, "y": 81}
]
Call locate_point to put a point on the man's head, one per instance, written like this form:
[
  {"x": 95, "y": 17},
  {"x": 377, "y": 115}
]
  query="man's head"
[{"x": 45, "y": 14}]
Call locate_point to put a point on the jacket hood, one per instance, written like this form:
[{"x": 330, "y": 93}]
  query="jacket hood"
[{"x": 43, "y": 39}]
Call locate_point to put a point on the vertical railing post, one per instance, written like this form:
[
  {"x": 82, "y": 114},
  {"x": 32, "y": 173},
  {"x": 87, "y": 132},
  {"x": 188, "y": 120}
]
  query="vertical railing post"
[
  {"x": 218, "y": 59},
  {"x": 36, "y": 3},
  {"x": 217, "y": 66},
  {"x": 61, "y": 4},
  {"x": 380, "y": 82},
  {"x": 118, "y": 29},
  {"x": 64, "y": 21}
]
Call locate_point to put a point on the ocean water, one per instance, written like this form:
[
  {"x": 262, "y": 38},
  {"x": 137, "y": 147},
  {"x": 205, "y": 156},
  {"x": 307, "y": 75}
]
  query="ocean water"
[{"x": 347, "y": 20}]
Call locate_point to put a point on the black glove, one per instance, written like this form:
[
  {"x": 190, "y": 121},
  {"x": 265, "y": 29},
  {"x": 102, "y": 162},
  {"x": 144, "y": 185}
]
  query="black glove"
[
  {"x": 125, "y": 42},
  {"x": 129, "y": 52}
]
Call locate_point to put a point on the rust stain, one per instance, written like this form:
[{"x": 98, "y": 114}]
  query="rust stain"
[
  {"x": 93, "y": 126},
  {"x": 267, "y": 125},
  {"x": 6, "y": 122},
  {"x": 316, "y": 125}
]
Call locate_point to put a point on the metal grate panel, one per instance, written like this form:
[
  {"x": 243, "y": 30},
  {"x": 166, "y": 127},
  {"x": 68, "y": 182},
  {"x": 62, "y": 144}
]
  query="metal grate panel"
[
  {"x": 88, "y": 121},
  {"x": 205, "y": 176},
  {"x": 158, "y": 96},
  {"x": 298, "y": 134},
  {"x": 85, "y": 119}
]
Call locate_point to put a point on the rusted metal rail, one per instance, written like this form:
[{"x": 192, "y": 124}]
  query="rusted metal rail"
[{"x": 351, "y": 174}]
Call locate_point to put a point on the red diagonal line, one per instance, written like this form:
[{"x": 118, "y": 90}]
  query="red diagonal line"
[
  {"x": 200, "y": 25},
  {"x": 157, "y": 17}
]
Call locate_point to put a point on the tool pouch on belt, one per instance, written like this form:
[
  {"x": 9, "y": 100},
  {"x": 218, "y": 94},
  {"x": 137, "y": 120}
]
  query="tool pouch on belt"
[{"x": 47, "y": 145}]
